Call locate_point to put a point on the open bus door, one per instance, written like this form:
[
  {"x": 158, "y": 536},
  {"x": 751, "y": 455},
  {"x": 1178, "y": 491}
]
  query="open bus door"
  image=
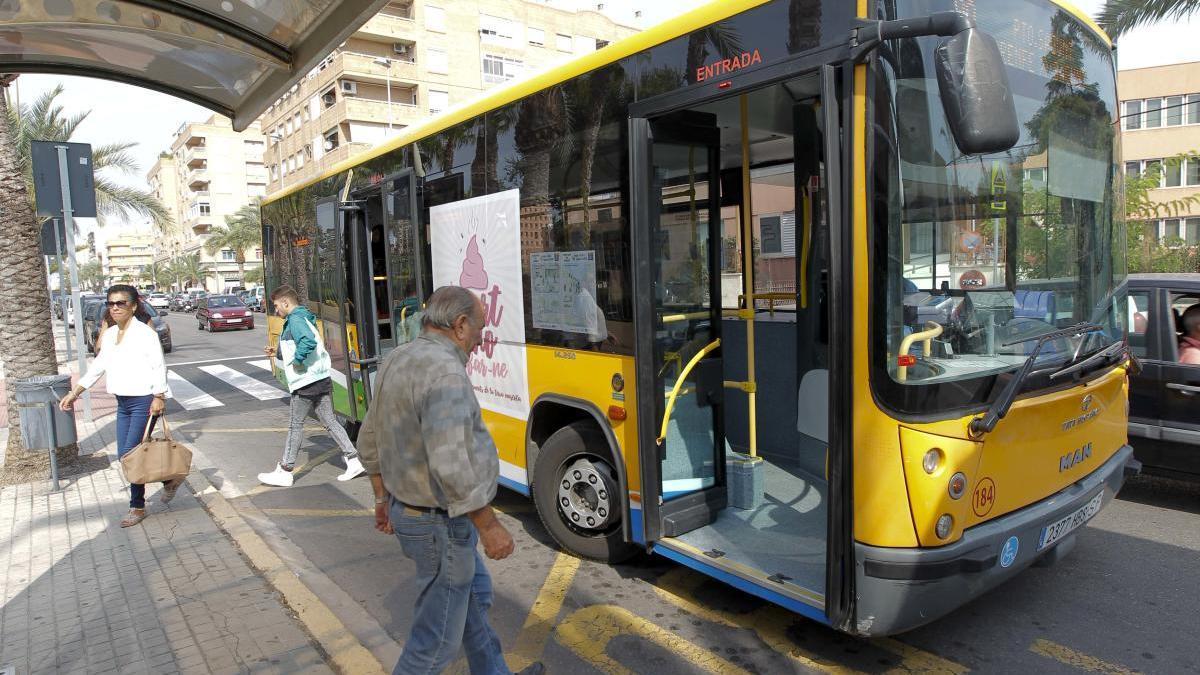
[
  {"x": 367, "y": 290},
  {"x": 738, "y": 249}
]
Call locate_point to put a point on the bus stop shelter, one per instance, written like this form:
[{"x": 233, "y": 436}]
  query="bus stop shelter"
[{"x": 235, "y": 57}]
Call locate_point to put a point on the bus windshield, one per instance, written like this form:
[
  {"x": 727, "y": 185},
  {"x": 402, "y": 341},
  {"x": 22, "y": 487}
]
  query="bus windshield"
[{"x": 986, "y": 252}]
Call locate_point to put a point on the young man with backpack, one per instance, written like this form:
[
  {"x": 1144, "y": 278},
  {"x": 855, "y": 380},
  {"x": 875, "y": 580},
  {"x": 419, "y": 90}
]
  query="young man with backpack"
[{"x": 306, "y": 368}]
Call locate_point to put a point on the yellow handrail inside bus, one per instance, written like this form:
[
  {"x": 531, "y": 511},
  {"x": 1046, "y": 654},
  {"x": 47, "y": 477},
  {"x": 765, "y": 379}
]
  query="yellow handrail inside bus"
[
  {"x": 932, "y": 330},
  {"x": 662, "y": 434}
]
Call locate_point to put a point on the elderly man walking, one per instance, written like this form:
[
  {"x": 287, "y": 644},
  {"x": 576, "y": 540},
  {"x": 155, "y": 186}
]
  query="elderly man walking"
[{"x": 434, "y": 467}]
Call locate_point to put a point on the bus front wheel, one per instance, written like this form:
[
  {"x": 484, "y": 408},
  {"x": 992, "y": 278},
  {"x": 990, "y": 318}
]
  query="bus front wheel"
[{"x": 578, "y": 495}]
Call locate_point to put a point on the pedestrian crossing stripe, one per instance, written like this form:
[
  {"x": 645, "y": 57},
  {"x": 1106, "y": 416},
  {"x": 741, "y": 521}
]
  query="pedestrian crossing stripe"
[
  {"x": 191, "y": 397},
  {"x": 258, "y": 389}
]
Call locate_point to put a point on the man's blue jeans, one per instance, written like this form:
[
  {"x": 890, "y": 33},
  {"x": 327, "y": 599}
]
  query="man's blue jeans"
[{"x": 454, "y": 593}]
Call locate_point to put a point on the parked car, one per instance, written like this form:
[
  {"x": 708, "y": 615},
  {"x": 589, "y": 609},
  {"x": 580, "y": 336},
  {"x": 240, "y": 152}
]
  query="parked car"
[
  {"x": 95, "y": 314},
  {"x": 257, "y": 299},
  {"x": 1164, "y": 398},
  {"x": 223, "y": 311},
  {"x": 160, "y": 302},
  {"x": 177, "y": 303},
  {"x": 193, "y": 300},
  {"x": 83, "y": 300}
]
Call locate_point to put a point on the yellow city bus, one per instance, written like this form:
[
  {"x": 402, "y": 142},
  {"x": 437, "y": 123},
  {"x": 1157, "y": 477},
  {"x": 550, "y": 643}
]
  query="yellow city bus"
[{"x": 826, "y": 308}]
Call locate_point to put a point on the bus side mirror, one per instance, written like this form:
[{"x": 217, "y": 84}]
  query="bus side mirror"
[{"x": 975, "y": 93}]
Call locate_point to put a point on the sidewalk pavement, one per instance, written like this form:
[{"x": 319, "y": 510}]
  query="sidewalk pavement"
[{"x": 173, "y": 594}]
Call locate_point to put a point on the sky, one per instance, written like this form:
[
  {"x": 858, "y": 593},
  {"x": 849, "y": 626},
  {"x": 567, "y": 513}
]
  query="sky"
[{"x": 123, "y": 113}]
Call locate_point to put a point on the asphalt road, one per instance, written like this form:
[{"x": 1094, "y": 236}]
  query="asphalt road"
[{"x": 1123, "y": 601}]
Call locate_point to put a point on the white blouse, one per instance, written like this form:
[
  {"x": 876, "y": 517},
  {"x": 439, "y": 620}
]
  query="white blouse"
[{"x": 135, "y": 365}]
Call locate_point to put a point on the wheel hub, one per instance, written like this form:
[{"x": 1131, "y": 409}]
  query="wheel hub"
[{"x": 585, "y": 494}]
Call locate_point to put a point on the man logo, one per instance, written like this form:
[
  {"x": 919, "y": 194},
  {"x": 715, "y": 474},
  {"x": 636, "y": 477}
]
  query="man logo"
[
  {"x": 1077, "y": 456},
  {"x": 1087, "y": 403}
]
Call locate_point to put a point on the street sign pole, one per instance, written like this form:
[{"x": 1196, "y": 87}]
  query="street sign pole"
[
  {"x": 62, "y": 289},
  {"x": 69, "y": 229}
]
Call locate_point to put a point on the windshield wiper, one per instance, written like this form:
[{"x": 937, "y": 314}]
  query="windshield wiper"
[
  {"x": 1103, "y": 355},
  {"x": 1000, "y": 407}
]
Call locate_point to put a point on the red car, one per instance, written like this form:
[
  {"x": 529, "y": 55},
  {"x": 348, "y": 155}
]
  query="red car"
[{"x": 223, "y": 311}]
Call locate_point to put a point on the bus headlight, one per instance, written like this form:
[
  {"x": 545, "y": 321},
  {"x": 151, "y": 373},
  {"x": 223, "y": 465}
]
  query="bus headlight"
[
  {"x": 958, "y": 485},
  {"x": 932, "y": 460},
  {"x": 944, "y": 525}
]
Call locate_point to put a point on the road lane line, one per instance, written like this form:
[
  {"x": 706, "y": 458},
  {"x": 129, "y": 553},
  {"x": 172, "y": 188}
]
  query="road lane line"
[
  {"x": 319, "y": 513},
  {"x": 227, "y": 358},
  {"x": 189, "y": 395},
  {"x": 259, "y": 390},
  {"x": 1078, "y": 660},
  {"x": 265, "y": 364},
  {"x": 588, "y": 631}
]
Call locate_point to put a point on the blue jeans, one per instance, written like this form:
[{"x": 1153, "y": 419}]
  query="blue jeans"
[
  {"x": 454, "y": 593},
  {"x": 132, "y": 414}
]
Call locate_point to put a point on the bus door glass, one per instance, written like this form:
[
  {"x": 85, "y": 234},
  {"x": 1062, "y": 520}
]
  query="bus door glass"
[
  {"x": 401, "y": 239},
  {"x": 684, "y": 221},
  {"x": 327, "y": 299},
  {"x": 366, "y": 282}
]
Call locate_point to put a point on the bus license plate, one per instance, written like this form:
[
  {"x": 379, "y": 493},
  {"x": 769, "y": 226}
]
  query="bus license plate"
[{"x": 1055, "y": 531}]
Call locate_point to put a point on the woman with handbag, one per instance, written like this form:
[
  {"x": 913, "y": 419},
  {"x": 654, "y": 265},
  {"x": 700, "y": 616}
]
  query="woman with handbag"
[{"x": 137, "y": 376}]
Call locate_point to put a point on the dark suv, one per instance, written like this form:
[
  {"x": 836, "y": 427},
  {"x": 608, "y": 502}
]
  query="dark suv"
[{"x": 1164, "y": 399}]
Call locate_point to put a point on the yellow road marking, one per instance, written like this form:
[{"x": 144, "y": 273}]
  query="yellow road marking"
[
  {"x": 542, "y": 616},
  {"x": 770, "y": 622},
  {"x": 588, "y": 631},
  {"x": 319, "y": 513},
  {"x": 1074, "y": 659}
]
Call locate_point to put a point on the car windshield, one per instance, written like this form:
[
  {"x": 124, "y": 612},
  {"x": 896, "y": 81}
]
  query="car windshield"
[
  {"x": 224, "y": 301},
  {"x": 986, "y": 252}
]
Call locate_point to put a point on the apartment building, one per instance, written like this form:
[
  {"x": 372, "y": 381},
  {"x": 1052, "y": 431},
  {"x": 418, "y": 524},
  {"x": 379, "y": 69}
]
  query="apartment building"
[
  {"x": 1160, "y": 119},
  {"x": 126, "y": 256},
  {"x": 210, "y": 172},
  {"x": 413, "y": 60}
]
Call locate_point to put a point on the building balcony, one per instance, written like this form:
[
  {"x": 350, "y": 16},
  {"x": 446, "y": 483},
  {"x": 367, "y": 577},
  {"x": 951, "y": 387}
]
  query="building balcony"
[
  {"x": 342, "y": 153},
  {"x": 390, "y": 24},
  {"x": 197, "y": 179},
  {"x": 373, "y": 110},
  {"x": 196, "y": 157},
  {"x": 201, "y": 224},
  {"x": 364, "y": 67},
  {"x": 194, "y": 140}
]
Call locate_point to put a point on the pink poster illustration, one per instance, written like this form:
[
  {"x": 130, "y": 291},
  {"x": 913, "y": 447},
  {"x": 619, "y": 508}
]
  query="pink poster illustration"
[{"x": 477, "y": 245}]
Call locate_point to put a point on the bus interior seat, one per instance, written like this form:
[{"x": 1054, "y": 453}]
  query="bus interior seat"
[
  {"x": 1034, "y": 305},
  {"x": 812, "y": 405}
]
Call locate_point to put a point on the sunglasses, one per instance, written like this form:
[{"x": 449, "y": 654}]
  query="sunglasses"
[{"x": 123, "y": 304}]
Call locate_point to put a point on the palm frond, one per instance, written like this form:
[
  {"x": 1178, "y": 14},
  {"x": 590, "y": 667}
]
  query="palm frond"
[
  {"x": 1121, "y": 16},
  {"x": 113, "y": 199},
  {"x": 115, "y": 156}
]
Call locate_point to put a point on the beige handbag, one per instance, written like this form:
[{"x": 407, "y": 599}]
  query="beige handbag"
[{"x": 156, "y": 459}]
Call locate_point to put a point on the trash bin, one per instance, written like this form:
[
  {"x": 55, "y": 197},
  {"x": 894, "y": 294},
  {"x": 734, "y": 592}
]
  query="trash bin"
[{"x": 33, "y": 393}]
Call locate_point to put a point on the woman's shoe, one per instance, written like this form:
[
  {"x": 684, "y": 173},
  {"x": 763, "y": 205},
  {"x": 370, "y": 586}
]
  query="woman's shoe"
[
  {"x": 134, "y": 517},
  {"x": 168, "y": 491}
]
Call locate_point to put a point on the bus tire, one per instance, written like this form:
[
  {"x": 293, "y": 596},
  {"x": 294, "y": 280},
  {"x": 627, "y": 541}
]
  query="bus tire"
[{"x": 574, "y": 482}]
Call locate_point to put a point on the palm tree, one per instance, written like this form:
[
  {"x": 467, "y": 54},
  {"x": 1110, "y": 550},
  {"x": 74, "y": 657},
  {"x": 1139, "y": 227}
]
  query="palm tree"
[
  {"x": 1121, "y": 16},
  {"x": 188, "y": 270},
  {"x": 26, "y": 340},
  {"x": 241, "y": 231}
]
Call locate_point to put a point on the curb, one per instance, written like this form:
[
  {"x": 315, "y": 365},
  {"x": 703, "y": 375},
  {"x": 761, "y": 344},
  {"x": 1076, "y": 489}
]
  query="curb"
[{"x": 345, "y": 653}]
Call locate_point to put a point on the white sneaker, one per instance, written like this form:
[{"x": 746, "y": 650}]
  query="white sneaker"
[
  {"x": 353, "y": 468},
  {"x": 278, "y": 477}
]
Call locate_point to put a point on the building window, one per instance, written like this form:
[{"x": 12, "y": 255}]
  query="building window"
[
  {"x": 1191, "y": 231},
  {"x": 329, "y": 98},
  {"x": 1193, "y": 109},
  {"x": 1173, "y": 173},
  {"x": 1153, "y": 113},
  {"x": 1133, "y": 169},
  {"x": 563, "y": 42},
  {"x": 296, "y": 121},
  {"x": 253, "y": 148},
  {"x": 438, "y": 61},
  {"x": 537, "y": 37},
  {"x": 438, "y": 101},
  {"x": 1192, "y": 175},
  {"x": 496, "y": 30},
  {"x": 1133, "y": 115},
  {"x": 435, "y": 18},
  {"x": 256, "y": 190},
  {"x": 331, "y": 140},
  {"x": 1174, "y": 111},
  {"x": 1168, "y": 229},
  {"x": 1153, "y": 166},
  {"x": 228, "y": 256},
  {"x": 499, "y": 69}
]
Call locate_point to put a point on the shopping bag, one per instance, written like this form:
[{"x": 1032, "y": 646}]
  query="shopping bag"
[{"x": 156, "y": 459}]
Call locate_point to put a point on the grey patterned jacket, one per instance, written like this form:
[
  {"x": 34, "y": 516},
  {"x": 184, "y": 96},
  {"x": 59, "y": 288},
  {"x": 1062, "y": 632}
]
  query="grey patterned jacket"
[{"x": 424, "y": 433}]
